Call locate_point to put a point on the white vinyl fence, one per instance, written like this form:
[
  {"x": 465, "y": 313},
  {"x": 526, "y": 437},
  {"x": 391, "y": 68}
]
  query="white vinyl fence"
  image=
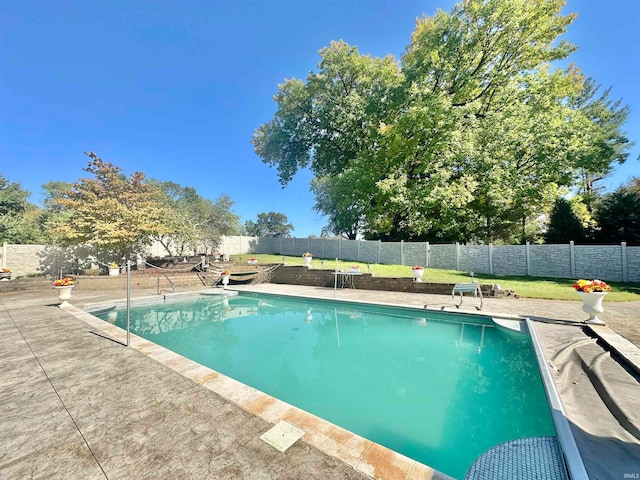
[{"x": 607, "y": 262}]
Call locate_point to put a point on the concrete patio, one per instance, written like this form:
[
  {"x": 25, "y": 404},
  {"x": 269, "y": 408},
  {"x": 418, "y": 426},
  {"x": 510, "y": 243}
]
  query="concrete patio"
[{"x": 78, "y": 405}]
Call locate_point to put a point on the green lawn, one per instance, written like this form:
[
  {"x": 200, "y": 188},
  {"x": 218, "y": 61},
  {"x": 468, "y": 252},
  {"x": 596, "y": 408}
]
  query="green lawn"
[{"x": 530, "y": 287}]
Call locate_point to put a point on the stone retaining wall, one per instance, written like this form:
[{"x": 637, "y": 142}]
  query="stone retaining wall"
[{"x": 298, "y": 275}]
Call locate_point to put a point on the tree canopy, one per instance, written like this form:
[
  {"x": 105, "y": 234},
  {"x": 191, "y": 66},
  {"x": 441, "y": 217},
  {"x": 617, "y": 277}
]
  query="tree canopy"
[
  {"x": 122, "y": 215},
  {"x": 269, "y": 225},
  {"x": 564, "y": 224},
  {"x": 19, "y": 219},
  {"x": 196, "y": 223},
  {"x": 470, "y": 136},
  {"x": 110, "y": 211},
  {"x": 618, "y": 214}
]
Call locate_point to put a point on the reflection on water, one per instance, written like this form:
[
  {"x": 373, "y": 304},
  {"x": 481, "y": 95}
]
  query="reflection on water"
[
  {"x": 474, "y": 337},
  {"x": 308, "y": 318},
  {"x": 156, "y": 319},
  {"x": 431, "y": 385}
]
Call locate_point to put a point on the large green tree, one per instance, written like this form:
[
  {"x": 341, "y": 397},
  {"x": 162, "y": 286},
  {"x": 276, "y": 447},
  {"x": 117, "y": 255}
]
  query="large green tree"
[
  {"x": 52, "y": 211},
  {"x": 564, "y": 224},
  {"x": 618, "y": 214},
  {"x": 471, "y": 136},
  {"x": 602, "y": 139},
  {"x": 113, "y": 212},
  {"x": 19, "y": 219},
  {"x": 269, "y": 225},
  {"x": 196, "y": 223},
  {"x": 326, "y": 123}
]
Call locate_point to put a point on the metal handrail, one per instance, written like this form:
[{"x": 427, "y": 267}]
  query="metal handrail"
[{"x": 173, "y": 288}]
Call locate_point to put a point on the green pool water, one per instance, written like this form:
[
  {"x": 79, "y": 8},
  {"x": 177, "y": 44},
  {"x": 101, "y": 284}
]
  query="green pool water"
[{"x": 438, "y": 387}]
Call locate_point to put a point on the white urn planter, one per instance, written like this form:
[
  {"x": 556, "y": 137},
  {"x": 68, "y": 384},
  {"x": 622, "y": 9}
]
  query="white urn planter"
[
  {"x": 114, "y": 272},
  {"x": 252, "y": 262},
  {"x": 64, "y": 294},
  {"x": 417, "y": 275},
  {"x": 592, "y": 306},
  {"x": 307, "y": 261},
  {"x": 225, "y": 281}
]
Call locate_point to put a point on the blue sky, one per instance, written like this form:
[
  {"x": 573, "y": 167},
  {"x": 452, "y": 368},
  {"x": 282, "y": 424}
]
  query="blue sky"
[{"x": 175, "y": 89}]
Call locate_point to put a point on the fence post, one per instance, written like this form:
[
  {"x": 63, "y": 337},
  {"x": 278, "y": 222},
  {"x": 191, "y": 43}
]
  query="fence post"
[
  {"x": 5, "y": 249},
  {"x": 358, "y": 249},
  {"x": 340, "y": 248},
  {"x": 623, "y": 251},
  {"x": 323, "y": 255},
  {"x": 572, "y": 259},
  {"x": 457, "y": 256},
  {"x": 379, "y": 245},
  {"x": 491, "y": 259},
  {"x": 427, "y": 255},
  {"x": 528, "y": 250}
]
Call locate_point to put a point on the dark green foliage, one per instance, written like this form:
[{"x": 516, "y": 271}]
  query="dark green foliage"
[
  {"x": 19, "y": 219},
  {"x": 470, "y": 136},
  {"x": 564, "y": 224},
  {"x": 269, "y": 225},
  {"x": 618, "y": 215},
  {"x": 196, "y": 223}
]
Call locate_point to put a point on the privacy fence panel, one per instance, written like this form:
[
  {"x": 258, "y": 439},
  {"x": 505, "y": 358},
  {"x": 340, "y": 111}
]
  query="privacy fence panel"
[
  {"x": 633, "y": 264},
  {"x": 415, "y": 253},
  {"x": 442, "y": 256},
  {"x": 475, "y": 258},
  {"x": 550, "y": 261},
  {"x": 390, "y": 253},
  {"x": 599, "y": 262},
  {"x": 510, "y": 260},
  {"x": 369, "y": 251}
]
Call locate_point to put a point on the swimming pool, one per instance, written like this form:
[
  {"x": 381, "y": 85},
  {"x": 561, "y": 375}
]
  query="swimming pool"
[{"x": 440, "y": 388}]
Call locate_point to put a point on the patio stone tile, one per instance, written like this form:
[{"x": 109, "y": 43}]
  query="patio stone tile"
[
  {"x": 68, "y": 458},
  {"x": 30, "y": 415},
  {"x": 144, "y": 420}
]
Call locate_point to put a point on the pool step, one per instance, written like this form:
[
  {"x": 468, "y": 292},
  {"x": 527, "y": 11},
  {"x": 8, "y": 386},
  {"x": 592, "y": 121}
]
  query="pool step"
[
  {"x": 516, "y": 325},
  {"x": 534, "y": 457}
]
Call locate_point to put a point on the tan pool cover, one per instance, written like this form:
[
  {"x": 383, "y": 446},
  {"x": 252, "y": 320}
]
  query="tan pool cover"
[{"x": 601, "y": 399}]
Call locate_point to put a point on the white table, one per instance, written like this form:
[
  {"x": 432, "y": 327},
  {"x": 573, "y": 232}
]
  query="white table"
[{"x": 346, "y": 278}]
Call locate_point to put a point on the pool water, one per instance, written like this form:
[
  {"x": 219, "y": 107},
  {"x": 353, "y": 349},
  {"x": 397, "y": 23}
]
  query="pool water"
[{"x": 440, "y": 388}]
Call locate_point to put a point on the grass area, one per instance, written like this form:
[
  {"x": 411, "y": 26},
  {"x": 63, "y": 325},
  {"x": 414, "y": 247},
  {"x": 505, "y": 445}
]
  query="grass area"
[{"x": 530, "y": 287}]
